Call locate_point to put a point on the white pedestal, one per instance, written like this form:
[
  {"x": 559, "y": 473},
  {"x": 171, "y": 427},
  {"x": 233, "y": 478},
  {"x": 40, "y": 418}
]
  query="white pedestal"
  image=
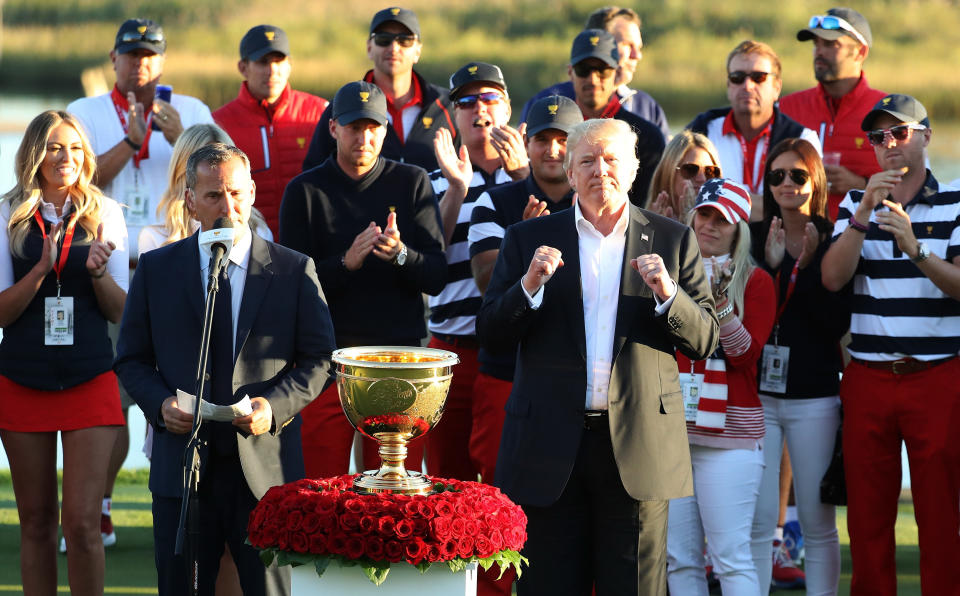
[{"x": 403, "y": 580}]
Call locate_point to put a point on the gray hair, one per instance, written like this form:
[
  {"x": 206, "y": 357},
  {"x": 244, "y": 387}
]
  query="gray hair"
[
  {"x": 213, "y": 154},
  {"x": 609, "y": 128}
]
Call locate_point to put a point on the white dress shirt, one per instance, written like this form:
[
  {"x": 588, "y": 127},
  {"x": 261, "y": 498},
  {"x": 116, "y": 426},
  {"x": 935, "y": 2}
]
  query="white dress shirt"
[
  {"x": 601, "y": 264},
  {"x": 236, "y": 273}
]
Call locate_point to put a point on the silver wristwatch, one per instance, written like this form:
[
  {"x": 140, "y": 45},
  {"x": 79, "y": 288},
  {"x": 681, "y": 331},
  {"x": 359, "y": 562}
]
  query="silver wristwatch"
[
  {"x": 401, "y": 256},
  {"x": 922, "y": 253}
]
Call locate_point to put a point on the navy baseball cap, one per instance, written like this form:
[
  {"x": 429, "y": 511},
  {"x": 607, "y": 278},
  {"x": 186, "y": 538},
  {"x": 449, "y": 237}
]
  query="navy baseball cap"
[
  {"x": 595, "y": 43},
  {"x": 553, "y": 111},
  {"x": 902, "y": 107},
  {"x": 404, "y": 16},
  {"x": 474, "y": 72},
  {"x": 357, "y": 100},
  {"x": 262, "y": 40},
  {"x": 837, "y": 23},
  {"x": 140, "y": 34}
]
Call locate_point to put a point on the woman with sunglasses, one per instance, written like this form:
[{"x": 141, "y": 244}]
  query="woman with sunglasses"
[
  {"x": 63, "y": 275},
  {"x": 689, "y": 160},
  {"x": 799, "y": 373},
  {"x": 723, "y": 412}
]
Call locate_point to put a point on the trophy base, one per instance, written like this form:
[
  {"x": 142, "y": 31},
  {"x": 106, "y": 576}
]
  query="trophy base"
[{"x": 414, "y": 484}]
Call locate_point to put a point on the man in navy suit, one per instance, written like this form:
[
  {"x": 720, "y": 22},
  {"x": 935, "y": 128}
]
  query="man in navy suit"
[
  {"x": 272, "y": 338},
  {"x": 596, "y": 299}
]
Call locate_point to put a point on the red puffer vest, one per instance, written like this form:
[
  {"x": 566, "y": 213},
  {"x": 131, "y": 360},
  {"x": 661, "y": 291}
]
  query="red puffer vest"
[{"x": 274, "y": 137}]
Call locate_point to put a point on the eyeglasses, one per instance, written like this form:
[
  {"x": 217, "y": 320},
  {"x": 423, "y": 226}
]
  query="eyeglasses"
[
  {"x": 689, "y": 171},
  {"x": 487, "y": 98},
  {"x": 900, "y": 133},
  {"x": 832, "y": 23},
  {"x": 799, "y": 177},
  {"x": 134, "y": 35},
  {"x": 585, "y": 70},
  {"x": 737, "y": 77},
  {"x": 383, "y": 39}
]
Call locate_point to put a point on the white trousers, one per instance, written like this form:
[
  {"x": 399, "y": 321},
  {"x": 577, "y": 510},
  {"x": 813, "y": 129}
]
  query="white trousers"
[
  {"x": 810, "y": 428},
  {"x": 725, "y": 484}
]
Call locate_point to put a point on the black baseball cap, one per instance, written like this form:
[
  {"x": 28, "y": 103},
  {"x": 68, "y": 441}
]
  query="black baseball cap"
[
  {"x": 823, "y": 27},
  {"x": 553, "y": 111},
  {"x": 358, "y": 100},
  {"x": 902, "y": 107},
  {"x": 595, "y": 43},
  {"x": 262, "y": 40},
  {"x": 473, "y": 72},
  {"x": 404, "y": 16},
  {"x": 137, "y": 34}
]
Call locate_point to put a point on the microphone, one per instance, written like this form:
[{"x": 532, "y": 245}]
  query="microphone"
[{"x": 218, "y": 242}]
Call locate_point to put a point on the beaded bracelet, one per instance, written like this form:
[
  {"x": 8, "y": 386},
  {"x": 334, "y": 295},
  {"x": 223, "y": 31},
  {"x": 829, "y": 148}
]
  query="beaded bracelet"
[{"x": 856, "y": 225}]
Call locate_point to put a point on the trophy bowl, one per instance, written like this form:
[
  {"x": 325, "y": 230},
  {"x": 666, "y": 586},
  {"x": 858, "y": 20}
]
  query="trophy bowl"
[{"x": 393, "y": 394}]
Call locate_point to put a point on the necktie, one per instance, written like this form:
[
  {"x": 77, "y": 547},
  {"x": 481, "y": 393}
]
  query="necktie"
[{"x": 221, "y": 363}]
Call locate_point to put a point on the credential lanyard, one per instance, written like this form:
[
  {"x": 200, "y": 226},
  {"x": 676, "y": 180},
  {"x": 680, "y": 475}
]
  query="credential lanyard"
[
  {"x": 749, "y": 157},
  {"x": 791, "y": 286},
  {"x": 64, "y": 250},
  {"x": 121, "y": 105}
]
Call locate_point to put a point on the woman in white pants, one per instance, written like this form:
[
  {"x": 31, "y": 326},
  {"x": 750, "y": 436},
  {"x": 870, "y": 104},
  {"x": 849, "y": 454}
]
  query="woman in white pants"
[
  {"x": 724, "y": 415},
  {"x": 799, "y": 397}
]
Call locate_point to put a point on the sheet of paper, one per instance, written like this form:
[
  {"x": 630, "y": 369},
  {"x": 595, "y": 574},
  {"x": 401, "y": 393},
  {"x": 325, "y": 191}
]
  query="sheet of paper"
[{"x": 209, "y": 411}]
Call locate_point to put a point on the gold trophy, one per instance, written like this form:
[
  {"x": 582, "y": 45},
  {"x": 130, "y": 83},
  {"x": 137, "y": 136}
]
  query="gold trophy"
[{"x": 393, "y": 394}]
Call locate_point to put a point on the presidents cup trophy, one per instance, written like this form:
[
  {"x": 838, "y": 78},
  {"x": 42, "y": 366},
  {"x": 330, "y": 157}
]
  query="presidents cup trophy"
[{"x": 393, "y": 394}]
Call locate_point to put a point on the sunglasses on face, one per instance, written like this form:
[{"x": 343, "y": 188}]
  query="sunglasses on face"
[
  {"x": 799, "y": 177},
  {"x": 404, "y": 40},
  {"x": 585, "y": 70},
  {"x": 832, "y": 23},
  {"x": 487, "y": 98},
  {"x": 737, "y": 77},
  {"x": 689, "y": 171},
  {"x": 898, "y": 133},
  {"x": 134, "y": 35}
]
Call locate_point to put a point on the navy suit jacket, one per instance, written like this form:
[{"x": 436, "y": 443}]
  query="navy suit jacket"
[
  {"x": 284, "y": 341},
  {"x": 545, "y": 412}
]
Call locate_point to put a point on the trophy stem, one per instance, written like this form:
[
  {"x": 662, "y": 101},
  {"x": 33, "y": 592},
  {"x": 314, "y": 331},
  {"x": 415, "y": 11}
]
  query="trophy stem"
[{"x": 392, "y": 476}]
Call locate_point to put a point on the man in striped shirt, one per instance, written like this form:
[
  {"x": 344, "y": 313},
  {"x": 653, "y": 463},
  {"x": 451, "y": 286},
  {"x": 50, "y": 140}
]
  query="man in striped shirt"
[
  {"x": 899, "y": 241},
  {"x": 492, "y": 153}
]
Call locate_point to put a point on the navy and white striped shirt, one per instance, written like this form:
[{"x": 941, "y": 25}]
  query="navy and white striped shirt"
[
  {"x": 897, "y": 311},
  {"x": 454, "y": 310}
]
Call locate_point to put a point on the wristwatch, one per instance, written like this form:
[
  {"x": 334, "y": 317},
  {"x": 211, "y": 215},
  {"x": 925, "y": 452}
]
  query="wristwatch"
[
  {"x": 401, "y": 256},
  {"x": 922, "y": 253}
]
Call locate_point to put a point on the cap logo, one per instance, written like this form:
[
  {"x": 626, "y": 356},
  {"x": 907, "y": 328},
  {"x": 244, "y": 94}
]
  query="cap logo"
[
  {"x": 929, "y": 229},
  {"x": 269, "y": 35},
  {"x": 859, "y": 142},
  {"x": 301, "y": 142},
  {"x": 364, "y": 96},
  {"x": 553, "y": 109},
  {"x": 886, "y": 101},
  {"x": 472, "y": 69},
  {"x": 594, "y": 40},
  {"x": 142, "y": 29},
  {"x": 427, "y": 121},
  {"x": 394, "y": 11}
]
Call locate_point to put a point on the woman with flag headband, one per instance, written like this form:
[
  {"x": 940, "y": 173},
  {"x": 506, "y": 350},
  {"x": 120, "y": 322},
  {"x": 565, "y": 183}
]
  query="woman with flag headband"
[
  {"x": 63, "y": 275},
  {"x": 723, "y": 411}
]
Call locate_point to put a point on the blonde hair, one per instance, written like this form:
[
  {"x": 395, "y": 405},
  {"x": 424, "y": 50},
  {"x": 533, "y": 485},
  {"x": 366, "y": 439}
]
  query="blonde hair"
[
  {"x": 665, "y": 176},
  {"x": 24, "y": 198},
  {"x": 740, "y": 258},
  {"x": 178, "y": 223},
  {"x": 749, "y": 46},
  {"x": 598, "y": 128}
]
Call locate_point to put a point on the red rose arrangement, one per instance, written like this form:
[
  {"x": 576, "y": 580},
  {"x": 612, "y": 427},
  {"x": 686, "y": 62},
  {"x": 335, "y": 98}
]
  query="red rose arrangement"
[{"x": 315, "y": 522}]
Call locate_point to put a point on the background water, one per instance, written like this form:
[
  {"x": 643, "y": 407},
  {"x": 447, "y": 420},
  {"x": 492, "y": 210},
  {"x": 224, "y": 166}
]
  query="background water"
[{"x": 17, "y": 111}]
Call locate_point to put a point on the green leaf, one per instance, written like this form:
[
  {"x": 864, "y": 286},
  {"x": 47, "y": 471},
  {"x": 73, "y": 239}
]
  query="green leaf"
[
  {"x": 376, "y": 571},
  {"x": 486, "y": 563},
  {"x": 267, "y": 555},
  {"x": 321, "y": 564},
  {"x": 423, "y": 566},
  {"x": 457, "y": 565}
]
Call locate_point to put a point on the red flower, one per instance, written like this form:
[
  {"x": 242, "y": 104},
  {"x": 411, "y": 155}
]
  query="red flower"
[
  {"x": 368, "y": 524},
  {"x": 465, "y": 547},
  {"x": 311, "y": 522},
  {"x": 355, "y": 547},
  {"x": 294, "y": 520},
  {"x": 393, "y": 551},
  {"x": 318, "y": 544},
  {"x": 386, "y": 525},
  {"x": 353, "y": 506},
  {"x": 449, "y": 549},
  {"x": 350, "y": 521},
  {"x": 404, "y": 529},
  {"x": 373, "y": 547},
  {"x": 483, "y": 548},
  {"x": 440, "y": 528},
  {"x": 299, "y": 542},
  {"x": 415, "y": 550},
  {"x": 443, "y": 508},
  {"x": 458, "y": 526}
]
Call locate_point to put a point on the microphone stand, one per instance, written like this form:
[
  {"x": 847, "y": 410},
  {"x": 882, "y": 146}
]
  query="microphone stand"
[{"x": 189, "y": 524}]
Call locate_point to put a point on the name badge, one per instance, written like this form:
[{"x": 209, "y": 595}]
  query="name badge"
[
  {"x": 691, "y": 385},
  {"x": 773, "y": 370},
  {"x": 58, "y": 321}
]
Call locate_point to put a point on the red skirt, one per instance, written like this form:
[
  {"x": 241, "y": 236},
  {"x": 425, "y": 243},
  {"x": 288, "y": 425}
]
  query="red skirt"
[{"x": 93, "y": 403}]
